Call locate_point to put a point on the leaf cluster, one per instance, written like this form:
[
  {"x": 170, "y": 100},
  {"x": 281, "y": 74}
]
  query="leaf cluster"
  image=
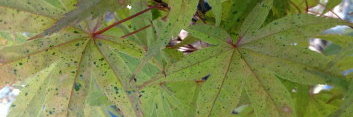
[{"x": 99, "y": 58}]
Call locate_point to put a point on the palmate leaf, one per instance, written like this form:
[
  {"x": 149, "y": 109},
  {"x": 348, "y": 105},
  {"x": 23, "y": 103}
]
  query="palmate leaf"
[
  {"x": 254, "y": 64},
  {"x": 81, "y": 61},
  {"x": 20, "y": 61}
]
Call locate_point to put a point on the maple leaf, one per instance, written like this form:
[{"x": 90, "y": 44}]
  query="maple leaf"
[
  {"x": 80, "y": 61},
  {"x": 255, "y": 63}
]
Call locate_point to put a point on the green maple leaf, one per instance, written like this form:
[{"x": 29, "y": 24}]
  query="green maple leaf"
[
  {"x": 81, "y": 62},
  {"x": 254, "y": 63}
]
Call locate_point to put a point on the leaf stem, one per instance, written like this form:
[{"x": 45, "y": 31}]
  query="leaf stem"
[
  {"x": 124, "y": 20},
  {"x": 295, "y": 6},
  {"x": 306, "y": 6},
  {"x": 330, "y": 10},
  {"x": 237, "y": 44},
  {"x": 136, "y": 31}
]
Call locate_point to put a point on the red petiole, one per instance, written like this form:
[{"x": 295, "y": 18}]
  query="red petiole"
[
  {"x": 132, "y": 33},
  {"x": 124, "y": 20}
]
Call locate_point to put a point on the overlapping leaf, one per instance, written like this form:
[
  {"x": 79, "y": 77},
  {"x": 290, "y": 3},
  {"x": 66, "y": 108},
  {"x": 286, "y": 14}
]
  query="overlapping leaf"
[
  {"x": 179, "y": 18},
  {"x": 302, "y": 6},
  {"x": 330, "y": 5},
  {"x": 217, "y": 10},
  {"x": 343, "y": 60}
]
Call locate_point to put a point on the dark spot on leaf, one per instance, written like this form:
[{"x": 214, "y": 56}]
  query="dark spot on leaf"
[
  {"x": 206, "y": 77},
  {"x": 235, "y": 112},
  {"x": 238, "y": 20},
  {"x": 129, "y": 92},
  {"x": 15, "y": 71},
  {"x": 77, "y": 86},
  {"x": 116, "y": 90}
]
